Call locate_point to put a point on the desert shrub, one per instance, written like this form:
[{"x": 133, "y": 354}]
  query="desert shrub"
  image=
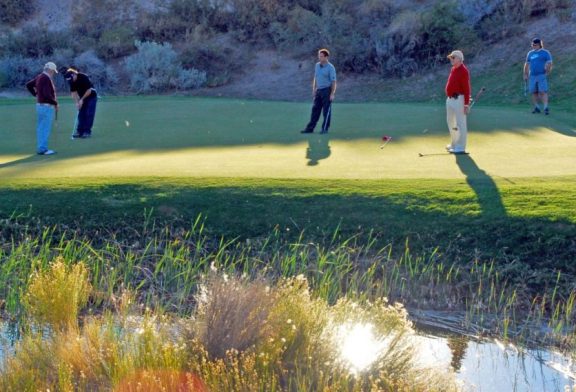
[
  {"x": 15, "y": 71},
  {"x": 116, "y": 42},
  {"x": 300, "y": 33},
  {"x": 233, "y": 314},
  {"x": 345, "y": 38},
  {"x": 394, "y": 45},
  {"x": 442, "y": 30},
  {"x": 93, "y": 18},
  {"x": 181, "y": 19},
  {"x": 156, "y": 67},
  {"x": 55, "y": 297},
  {"x": 250, "y": 19},
  {"x": 219, "y": 61},
  {"x": 35, "y": 41},
  {"x": 13, "y": 12}
]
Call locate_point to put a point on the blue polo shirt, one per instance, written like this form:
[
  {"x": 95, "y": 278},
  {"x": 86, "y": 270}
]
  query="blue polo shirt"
[
  {"x": 537, "y": 60},
  {"x": 324, "y": 75}
]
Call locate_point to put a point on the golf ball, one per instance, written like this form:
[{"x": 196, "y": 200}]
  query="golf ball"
[{"x": 127, "y": 123}]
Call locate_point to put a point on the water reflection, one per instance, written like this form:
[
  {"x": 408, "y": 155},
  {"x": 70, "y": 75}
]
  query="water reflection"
[
  {"x": 458, "y": 346},
  {"x": 360, "y": 347},
  {"x": 492, "y": 366}
]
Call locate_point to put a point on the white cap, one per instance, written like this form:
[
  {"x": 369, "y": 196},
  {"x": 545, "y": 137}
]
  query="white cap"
[
  {"x": 457, "y": 54},
  {"x": 50, "y": 65}
]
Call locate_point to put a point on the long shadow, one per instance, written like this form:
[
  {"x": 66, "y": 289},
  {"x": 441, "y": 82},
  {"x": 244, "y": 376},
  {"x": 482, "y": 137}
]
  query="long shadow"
[
  {"x": 29, "y": 159},
  {"x": 484, "y": 187},
  {"x": 318, "y": 149},
  {"x": 149, "y": 125}
]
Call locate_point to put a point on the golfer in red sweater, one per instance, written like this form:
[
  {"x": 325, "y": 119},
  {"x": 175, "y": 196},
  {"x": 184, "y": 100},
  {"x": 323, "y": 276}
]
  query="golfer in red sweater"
[{"x": 457, "y": 103}]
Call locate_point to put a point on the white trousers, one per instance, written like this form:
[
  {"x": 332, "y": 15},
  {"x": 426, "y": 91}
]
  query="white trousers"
[{"x": 456, "y": 119}]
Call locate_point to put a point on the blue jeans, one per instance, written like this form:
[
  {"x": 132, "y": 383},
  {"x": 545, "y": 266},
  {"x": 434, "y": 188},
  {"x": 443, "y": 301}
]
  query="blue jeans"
[{"x": 45, "y": 118}]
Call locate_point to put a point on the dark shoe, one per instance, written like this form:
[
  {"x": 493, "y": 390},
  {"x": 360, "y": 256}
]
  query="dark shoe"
[
  {"x": 536, "y": 110},
  {"x": 546, "y": 111},
  {"x": 76, "y": 136},
  {"x": 306, "y": 131}
]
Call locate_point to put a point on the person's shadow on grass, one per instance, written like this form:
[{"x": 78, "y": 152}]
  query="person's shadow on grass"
[
  {"x": 484, "y": 187},
  {"x": 31, "y": 158},
  {"x": 318, "y": 149}
]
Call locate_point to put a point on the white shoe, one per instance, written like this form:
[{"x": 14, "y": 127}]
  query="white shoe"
[
  {"x": 455, "y": 151},
  {"x": 449, "y": 147},
  {"x": 47, "y": 152}
]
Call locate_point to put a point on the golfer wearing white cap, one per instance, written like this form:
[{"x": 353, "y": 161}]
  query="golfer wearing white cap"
[
  {"x": 42, "y": 87},
  {"x": 457, "y": 103}
]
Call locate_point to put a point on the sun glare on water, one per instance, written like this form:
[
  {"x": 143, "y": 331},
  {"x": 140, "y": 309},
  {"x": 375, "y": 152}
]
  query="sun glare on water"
[{"x": 359, "y": 347}]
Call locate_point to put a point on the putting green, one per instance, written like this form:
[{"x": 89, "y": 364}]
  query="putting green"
[{"x": 198, "y": 137}]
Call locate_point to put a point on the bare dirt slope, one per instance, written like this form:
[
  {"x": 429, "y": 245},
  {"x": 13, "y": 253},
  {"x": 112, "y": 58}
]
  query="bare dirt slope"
[{"x": 271, "y": 75}]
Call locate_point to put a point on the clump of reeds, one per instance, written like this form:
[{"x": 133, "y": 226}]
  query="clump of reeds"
[
  {"x": 244, "y": 335},
  {"x": 55, "y": 297}
]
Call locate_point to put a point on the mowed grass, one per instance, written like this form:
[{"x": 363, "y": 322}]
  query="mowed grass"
[
  {"x": 244, "y": 166},
  {"x": 195, "y": 137}
]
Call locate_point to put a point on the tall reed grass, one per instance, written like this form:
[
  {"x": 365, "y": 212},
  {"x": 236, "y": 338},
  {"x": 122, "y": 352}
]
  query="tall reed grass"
[
  {"x": 244, "y": 335},
  {"x": 162, "y": 268}
]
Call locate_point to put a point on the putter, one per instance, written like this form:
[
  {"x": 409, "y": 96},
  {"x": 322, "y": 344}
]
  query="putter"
[
  {"x": 478, "y": 95},
  {"x": 74, "y": 129},
  {"x": 386, "y": 140},
  {"x": 55, "y": 126},
  {"x": 525, "y": 87},
  {"x": 421, "y": 155}
]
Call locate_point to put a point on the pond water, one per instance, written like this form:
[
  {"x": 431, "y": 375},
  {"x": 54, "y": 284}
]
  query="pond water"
[
  {"x": 481, "y": 365},
  {"x": 492, "y": 366}
]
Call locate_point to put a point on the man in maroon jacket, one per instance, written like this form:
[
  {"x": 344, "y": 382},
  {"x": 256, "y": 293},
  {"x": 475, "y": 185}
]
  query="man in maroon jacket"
[
  {"x": 42, "y": 87},
  {"x": 457, "y": 103}
]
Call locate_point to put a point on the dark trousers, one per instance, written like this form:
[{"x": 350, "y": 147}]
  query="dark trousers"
[
  {"x": 322, "y": 104},
  {"x": 86, "y": 116}
]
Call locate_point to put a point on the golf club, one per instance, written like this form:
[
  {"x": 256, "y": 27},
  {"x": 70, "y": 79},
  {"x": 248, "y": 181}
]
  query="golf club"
[
  {"x": 421, "y": 155},
  {"x": 525, "y": 87},
  {"x": 478, "y": 94},
  {"x": 74, "y": 128},
  {"x": 386, "y": 140},
  {"x": 326, "y": 119}
]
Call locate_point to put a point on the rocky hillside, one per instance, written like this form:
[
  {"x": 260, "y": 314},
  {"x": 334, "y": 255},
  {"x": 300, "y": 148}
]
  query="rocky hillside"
[{"x": 259, "y": 70}]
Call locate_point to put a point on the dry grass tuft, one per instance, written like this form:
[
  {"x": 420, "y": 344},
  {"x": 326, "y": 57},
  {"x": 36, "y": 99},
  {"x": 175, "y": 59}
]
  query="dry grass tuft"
[
  {"x": 55, "y": 297},
  {"x": 244, "y": 336}
]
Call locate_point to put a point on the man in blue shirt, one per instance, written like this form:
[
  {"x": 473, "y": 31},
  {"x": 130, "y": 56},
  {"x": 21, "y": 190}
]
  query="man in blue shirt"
[
  {"x": 323, "y": 91},
  {"x": 538, "y": 65}
]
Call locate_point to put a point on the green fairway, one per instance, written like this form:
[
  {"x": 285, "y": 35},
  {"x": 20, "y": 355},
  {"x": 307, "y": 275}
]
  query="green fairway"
[
  {"x": 244, "y": 167},
  {"x": 195, "y": 137}
]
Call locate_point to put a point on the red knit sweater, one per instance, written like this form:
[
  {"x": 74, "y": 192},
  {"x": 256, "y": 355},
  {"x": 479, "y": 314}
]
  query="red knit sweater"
[
  {"x": 459, "y": 83},
  {"x": 43, "y": 89}
]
